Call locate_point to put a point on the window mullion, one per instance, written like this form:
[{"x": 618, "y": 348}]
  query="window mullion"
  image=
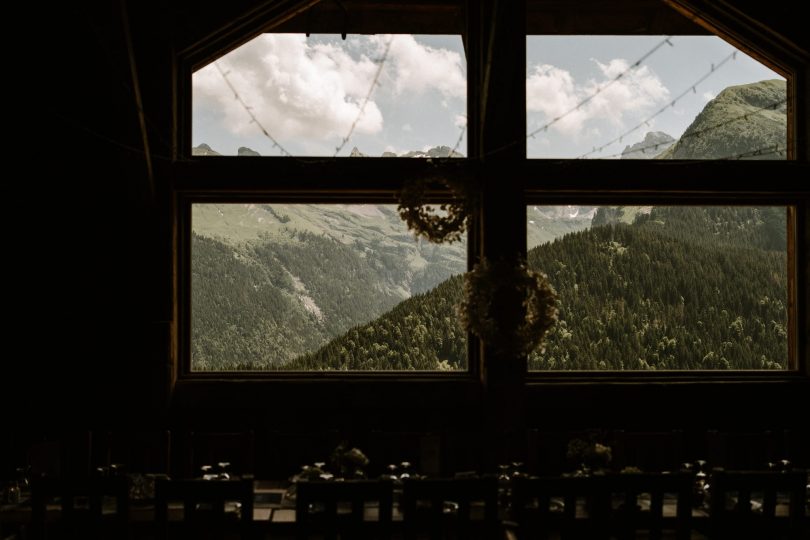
[{"x": 501, "y": 149}]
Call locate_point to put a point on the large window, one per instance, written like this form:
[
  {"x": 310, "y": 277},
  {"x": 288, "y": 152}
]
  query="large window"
[{"x": 629, "y": 196}]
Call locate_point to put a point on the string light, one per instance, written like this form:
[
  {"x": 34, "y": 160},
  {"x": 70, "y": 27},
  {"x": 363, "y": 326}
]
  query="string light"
[
  {"x": 458, "y": 142},
  {"x": 646, "y": 122},
  {"x": 634, "y": 65},
  {"x": 249, "y": 110},
  {"x": 764, "y": 151},
  {"x": 701, "y": 132},
  {"x": 367, "y": 98}
]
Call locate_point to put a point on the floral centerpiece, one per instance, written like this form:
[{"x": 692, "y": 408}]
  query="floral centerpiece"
[
  {"x": 588, "y": 454},
  {"x": 348, "y": 462}
]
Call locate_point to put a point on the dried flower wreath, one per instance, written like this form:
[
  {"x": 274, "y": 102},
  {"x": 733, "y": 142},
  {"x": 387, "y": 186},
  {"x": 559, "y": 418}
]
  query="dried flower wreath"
[
  {"x": 490, "y": 280},
  {"x": 422, "y": 218}
]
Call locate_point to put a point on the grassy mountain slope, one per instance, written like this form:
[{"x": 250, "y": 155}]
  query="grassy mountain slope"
[
  {"x": 272, "y": 282},
  {"x": 737, "y": 123},
  {"x": 545, "y": 223}
]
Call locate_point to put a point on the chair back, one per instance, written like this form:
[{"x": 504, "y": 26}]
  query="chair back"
[
  {"x": 558, "y": 506},
  {"x": 759, "y": 504},
  {"x": 450, "y": 508},
  {"x": 597, "y": 506},
  {"x": 82, "y": 511},
  {"x": 209, "y": 507},
  {"x": 345, "y": 509},
  {"x": 637, "y": 503}
]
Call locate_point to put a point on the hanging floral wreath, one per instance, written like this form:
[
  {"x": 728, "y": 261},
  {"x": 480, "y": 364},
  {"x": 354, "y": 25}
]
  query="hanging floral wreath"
[
  {"x": 489, "y": 281},
  {"x": 446, "y": 225}
]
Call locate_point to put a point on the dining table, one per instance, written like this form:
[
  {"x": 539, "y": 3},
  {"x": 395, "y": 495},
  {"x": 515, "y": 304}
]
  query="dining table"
[{"x": 274, "y": 513}]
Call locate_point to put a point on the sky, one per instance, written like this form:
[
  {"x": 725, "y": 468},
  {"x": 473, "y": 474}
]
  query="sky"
[{"x": 309, "y": 94}]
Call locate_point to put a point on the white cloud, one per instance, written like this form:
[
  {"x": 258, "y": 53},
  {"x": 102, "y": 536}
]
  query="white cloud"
[
  {"x": 416, "y": 68},
  {"x": 295, "y": 89},
  {"x": 460, "y": 121},
  {"x": 407, "y": 127},
  {"x": 314, "y": 91},
  {"x": 708, "y": 96},
  {"x": 554, "y": 92}
]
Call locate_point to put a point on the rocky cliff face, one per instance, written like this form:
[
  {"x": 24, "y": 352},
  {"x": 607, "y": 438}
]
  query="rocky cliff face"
[{"x": 654, "y": 143}]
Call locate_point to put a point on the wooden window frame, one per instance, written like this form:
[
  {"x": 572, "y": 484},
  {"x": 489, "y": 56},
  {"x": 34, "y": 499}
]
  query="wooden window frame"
[{"x": 507, "y": 178}]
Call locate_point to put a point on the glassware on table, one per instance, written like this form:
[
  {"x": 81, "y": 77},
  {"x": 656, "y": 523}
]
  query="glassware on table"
[
  {"x": 504, "y": 485},
  {"x": 405, "y": 466},
  {"x": 207, "y": 472},
  {"x": 516, "y": 470},
  {"x": 24, "y": 480},
  {"x": 13, "y": 493},
  {"x": 391, "y": 473},
  {"x": 701, "y": 485},
  {"x": 222, "y": 470}
]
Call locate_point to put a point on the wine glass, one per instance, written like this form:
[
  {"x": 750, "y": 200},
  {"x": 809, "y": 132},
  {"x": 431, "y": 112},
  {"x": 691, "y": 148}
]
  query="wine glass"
[
  {"x": 405, "y": 466},
  {"x": 222, "y": 470}
]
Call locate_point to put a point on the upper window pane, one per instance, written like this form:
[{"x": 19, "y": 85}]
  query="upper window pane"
[
  {"x": 368, "y": 95},
  {"x": 651, "y": 97},
  {"x": 321, "y": 287}
]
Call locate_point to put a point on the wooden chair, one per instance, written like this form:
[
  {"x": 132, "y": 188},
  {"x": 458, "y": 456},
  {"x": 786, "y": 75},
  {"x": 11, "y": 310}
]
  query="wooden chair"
[
  {"x": 204, "y": 508},
  {"x": 338, "y": 509},
  {"x": 627, "y": 516},
  {"x": 545, "y": 507},
  {"x": 734, "y": 494},
  {"x": 602, "y": 505},
  {"x": 83, "y": 513},
  {"x": 450, "y": 508}
]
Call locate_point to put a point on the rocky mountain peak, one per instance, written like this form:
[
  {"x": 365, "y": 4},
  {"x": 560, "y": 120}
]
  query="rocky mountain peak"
[{"x": 654, "y": 143}]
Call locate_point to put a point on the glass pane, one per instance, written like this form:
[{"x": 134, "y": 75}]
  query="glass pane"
[
  {"x": 321, "y": 287},
  {"x": 651, "y": 97},
  {"x": 664, "y": 287},
  {"x": 378, "y": 95}
]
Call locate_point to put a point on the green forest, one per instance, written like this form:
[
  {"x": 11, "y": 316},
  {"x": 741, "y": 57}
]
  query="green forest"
[
  {"x": 657, "y": 294},
  {"x": 272, "y": 282}
]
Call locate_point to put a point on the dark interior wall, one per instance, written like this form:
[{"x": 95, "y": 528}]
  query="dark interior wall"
[
  {"x": 92, "y": 279},
  {"x": 90, "y": 258}
]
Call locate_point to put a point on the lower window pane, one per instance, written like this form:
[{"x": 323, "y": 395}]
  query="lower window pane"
[
  {"x": 663, "y": 287},
  {"x": 321, "y": 287}
]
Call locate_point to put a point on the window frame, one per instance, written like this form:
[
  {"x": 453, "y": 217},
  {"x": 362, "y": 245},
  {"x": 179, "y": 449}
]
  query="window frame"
[
  {"x": 694, "y": 183},
  {"x": 307, "y": 188},
  {"x": 282, "y": 179}
]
